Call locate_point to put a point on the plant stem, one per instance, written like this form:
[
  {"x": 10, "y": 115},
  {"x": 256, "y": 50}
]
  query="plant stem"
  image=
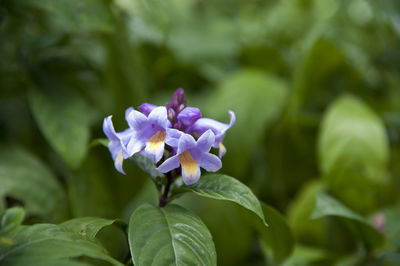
[{"x": 164, "y": 197}]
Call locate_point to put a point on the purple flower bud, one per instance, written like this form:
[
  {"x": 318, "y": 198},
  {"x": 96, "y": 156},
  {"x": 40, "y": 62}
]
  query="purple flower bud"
[
  {"x": 146, "y": 108},
  {"x": 181, "y": 107},
  {"x": 171, "y": 114},
  {"x": 178, "y": 125},
  {"x": 189, "y": 115},
  {"x": 179, "y": 95}
]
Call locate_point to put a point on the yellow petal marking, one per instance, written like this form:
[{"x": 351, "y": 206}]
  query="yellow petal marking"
[
  {"x": 119, "y": 158},
  {"x": 189, "y": 165},
  {"x": 222, "y": 147},
  {"x": 156, "y": 142}
]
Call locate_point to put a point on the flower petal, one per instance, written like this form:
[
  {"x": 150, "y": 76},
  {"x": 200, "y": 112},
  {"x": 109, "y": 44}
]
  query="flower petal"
[
  {"x": 136, "y": 120},
  {"x": 118, "y": 163},
  {"x": 172, "y": 137},
  {"x": 127, "y": 112},
  {"x": 186, "y": 142},
  {"x": 219, "y": 129},
  {"x": 222, "y": 150},
  {"x": 189, "y": 115},
  {"x": 210, "y": 162},
  {"x": 159, "y": 116},
  {"x": 169, "y": 164},
  {"x": 155, "y": 146},
  {"x": 190, "y": 168},
  {"x": 205, "y": 141},
  {"x": 146, "y": 108},
  {"x": 134, "y": 145},
  {"x": 108, "y": 128}
]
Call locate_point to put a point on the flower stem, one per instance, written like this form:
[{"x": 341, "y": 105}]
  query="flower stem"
[{"x": 164, "y": 197}]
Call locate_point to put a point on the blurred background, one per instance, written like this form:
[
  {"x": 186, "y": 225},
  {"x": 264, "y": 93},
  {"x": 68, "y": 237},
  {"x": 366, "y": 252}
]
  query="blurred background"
[{"x": 315, "y": 86}]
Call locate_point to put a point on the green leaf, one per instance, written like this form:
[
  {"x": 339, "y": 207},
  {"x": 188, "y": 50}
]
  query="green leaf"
[
  {"x": 343, "y": 138},
  {"x": 63, "y": 118},
  {"x": 72, "y": 15},
  {"x": 169, "y": 236},
  {"x": 258, "y": 100},
  {"x": 100, "y": 142},
  {"x": 11, "y": 219},
  {"x": 300, "y": 210},
  {"x": 304, "y": 256},
  {"x": 354, "y": 151},
  {"x": 278, "y": 237},
  {"x": 24, "y": 177},
  {"x": 87, "y": 227},
  {"x": 146, "y": 165},
  {"x": 223, "y": 187},
  {"x": 43, "y": 243},
  {"x": 329, "y": 206}
]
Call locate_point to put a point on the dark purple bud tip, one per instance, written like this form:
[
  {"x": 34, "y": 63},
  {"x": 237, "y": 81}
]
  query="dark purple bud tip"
[
  {"x": 180, "y": 95},
  {"x": 177, "y": 99}
]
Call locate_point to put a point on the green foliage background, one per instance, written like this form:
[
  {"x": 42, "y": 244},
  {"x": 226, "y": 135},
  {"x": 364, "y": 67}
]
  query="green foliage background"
[{"x": 315, "y": 86}]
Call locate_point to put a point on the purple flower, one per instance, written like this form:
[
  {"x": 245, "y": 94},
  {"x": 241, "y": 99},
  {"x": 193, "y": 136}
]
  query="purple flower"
[
  {"x": 118, "y": 142},
  {"x": 192, "y": 155},
  {"x": 218, "y": 128},
  {"x": 149, "y": 133},
  {"x": 189, "y": 115},
  {"x": 146, "y": 108}
]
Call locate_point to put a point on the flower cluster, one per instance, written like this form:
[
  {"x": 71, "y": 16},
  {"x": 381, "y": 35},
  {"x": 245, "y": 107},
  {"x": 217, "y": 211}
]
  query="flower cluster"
[{"x": 175, "y": 136}]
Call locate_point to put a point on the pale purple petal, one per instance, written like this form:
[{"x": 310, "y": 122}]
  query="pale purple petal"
[
  {"x": 159, "y": 117},
  {"x": 190, "y": 177},
  {"x": 146, "y": 108},
  {"x": 210, "y": 162},
  {"x": 136, "y": 120},
  {"x": 108, "y": 129},
  {"x": 205, "y": 141},
  {"x": 189, "y": 115},
  {"x": 172, "y": 137},
  {"x": 114, "y": 146},
  {"x": 134, "y": 145},
  {"x": 127, "y": 112},
  {"x": 118, "y": 163},
  {"x": 169, "y": 164},
  {"x": 222, "y": 150},
  {"x": 186, "y": 142}
]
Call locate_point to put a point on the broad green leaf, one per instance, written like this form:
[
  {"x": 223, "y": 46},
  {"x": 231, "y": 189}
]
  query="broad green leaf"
[
  {"x": 63, "y": 118},
  {"x": 146, "y": 165},
  {"x": 278, "y": 237},
  {"x": 258, "y": 100},
  {"x": 24, "y": 177},
  {"x": 231, "y": 243},
  {"x": 87, "y": 227},
  {"x": 223, "y": 187},
  {"x": 11, "y": 219},
  {"x": 169, "y": 236},
  {"x": 353, "y": 153},
  {"x": 48, "y": 242},
  {"x": 329, "y": 206}
]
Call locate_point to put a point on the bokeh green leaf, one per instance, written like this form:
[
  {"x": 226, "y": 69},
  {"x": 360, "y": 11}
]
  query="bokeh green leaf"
[{"x": 27, "y": 179}]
